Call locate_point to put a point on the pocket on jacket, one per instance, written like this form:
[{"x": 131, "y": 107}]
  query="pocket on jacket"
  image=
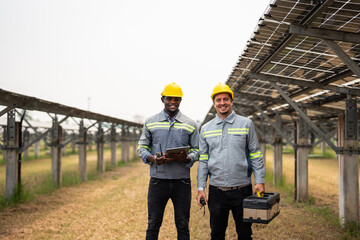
[{"x": 239, "y": 140}]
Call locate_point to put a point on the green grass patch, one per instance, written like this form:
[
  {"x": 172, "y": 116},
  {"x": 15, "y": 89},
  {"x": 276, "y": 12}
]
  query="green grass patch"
[
  {"x": 45, "y": 185},
  {"x": 268, "y": 146},
  {"x": 21, "y": 196},
  {"x": 351, "y": 230},
  {"x": 42, "y": 184},
  {"x": 109, "y": 167},
  {"x": 93, "y": 175},
  {"x": 288, "y": 150},
  {"x": 326, "y": 154},
  {"x": 70, "y": 178},
  {"x": 122, "y": 163},
  {"x": 324, "y": 211},
  {"x": 45, "y": 153}
]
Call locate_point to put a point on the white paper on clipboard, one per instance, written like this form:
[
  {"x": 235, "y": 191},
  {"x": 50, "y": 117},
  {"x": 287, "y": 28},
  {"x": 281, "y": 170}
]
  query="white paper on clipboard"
[{"x": 178, "y": 150}]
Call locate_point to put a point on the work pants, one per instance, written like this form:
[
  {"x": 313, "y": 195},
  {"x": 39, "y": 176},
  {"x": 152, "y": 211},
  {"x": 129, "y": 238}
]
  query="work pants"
[
  {"x": 160, "y": 190},
  {"x": 220, "y": 203}
]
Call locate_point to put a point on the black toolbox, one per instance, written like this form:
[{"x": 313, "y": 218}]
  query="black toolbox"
[{"x": 261, "y": 209}]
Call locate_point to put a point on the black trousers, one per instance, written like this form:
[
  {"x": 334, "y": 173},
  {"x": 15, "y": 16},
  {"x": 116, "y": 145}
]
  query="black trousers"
[
  {"x": 160, "y": 191},
  {"x": 220, "y": 203}
]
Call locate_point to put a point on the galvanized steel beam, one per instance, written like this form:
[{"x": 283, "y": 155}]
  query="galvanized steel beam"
[
  {"x": 344, "y": 57},
  {"x": 335, "y": 35},
  {"x": 5, "y": 110},
  {"x": 16, "y": 100},
  {"x": 303, "y": 115},
  {"x": 40, "y": 136},
  {"x": 307, "y": 83},
  {"x": 277, "y": 129}
]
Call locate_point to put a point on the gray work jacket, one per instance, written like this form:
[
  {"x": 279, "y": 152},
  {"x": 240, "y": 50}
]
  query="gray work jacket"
[
  {"x": 158, "y": 131},
  {"x": 229, "y": 153}
]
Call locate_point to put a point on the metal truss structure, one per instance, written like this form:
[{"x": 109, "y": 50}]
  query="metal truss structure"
[
  {"x": 300, "y": 68},
  {"x": 18, "y": 136}
]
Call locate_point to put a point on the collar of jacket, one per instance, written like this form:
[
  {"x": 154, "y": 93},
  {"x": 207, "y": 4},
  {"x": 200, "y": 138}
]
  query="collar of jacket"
[
  {"x": 178, "y": 118},
  {"x": 230, "y": 119}
]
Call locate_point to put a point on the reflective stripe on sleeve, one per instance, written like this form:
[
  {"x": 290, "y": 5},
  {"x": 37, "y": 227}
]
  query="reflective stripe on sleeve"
[
  {"x": 255, "y": 155},
  {"x": 143, "y": 146},
  {"x": 204, "y": 157}
]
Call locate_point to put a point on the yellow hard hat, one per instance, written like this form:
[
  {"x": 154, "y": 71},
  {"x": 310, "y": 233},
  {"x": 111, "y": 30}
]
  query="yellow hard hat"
[
  {"x": 222, "y": 88},
  {"x": 172, "y": 90}
]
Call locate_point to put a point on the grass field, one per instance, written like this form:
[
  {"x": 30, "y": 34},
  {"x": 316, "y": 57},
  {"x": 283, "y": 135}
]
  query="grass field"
[{"x": 113, "y": 205}]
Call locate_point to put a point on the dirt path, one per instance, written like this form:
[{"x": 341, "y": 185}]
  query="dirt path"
[{"x": 114, "y": 207}]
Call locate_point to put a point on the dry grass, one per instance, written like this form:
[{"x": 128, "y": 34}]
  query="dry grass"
[{"x": 114, "y": 207}]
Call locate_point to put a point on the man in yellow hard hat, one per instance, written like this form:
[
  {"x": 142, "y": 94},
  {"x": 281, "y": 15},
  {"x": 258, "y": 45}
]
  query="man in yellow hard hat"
[
  {"x": 229, "y": 153},
  {"x": 170, "y": 173}
]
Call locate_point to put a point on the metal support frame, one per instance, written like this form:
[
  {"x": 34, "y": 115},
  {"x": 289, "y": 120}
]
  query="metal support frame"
[
  {"x": 7, "y": 109},
  {"x": 113, "y": 140},
  {"x": 279, "y": 101},
  {"x": 124, "y": 143},
  {"x": 100, "y": 148},
  {"x": 11, "y": 135},
  {"x": 349, "y": 165},
  {"x": 262, "y": 127},
  {"x": 56, "y": 142},
  {"x": 302, "y": 173},
  {"x": 305, "y": 83},
  {"x": 277, "y": 129},
  {"x": 306, "y": 118},
  {"x": 325, "y": 33},
  {"x": 25, "y": 119},
  {"x": 82, "y": 151},
  {"x": 277, "y": 143},
  {"x": 40, "y": 136},
  {"x": 303, "y": 130},
  {"x": 4, "y": 140},
  {"x": 328, "y": 135},
  {"x": 344, "y": 57},
  {"x": 26, "y": 140},
  {"x": 351, "y": 119},
  {"x": 11, "y": 147},
  {"x": 135, "y": 142},
  {"x": 71, "y": 139},
  {"x": 279, "y": 133}
]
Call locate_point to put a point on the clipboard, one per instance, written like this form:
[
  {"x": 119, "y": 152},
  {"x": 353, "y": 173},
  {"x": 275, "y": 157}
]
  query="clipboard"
[{"x": 178, "y": 150}]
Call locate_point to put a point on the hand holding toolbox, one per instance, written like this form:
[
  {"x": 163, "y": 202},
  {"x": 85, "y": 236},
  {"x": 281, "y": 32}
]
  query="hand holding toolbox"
[{"x": 261, "y": 209}]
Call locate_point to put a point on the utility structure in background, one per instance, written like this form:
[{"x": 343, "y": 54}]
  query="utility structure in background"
[
  {"x": 14, "y": 146},
  {"x": 301, "y": 64}
]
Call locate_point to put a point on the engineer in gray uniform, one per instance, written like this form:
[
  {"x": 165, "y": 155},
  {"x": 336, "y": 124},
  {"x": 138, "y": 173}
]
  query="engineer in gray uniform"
[
  {"x": 170, "y": 174},
  {"x": 229, "y": 153}
]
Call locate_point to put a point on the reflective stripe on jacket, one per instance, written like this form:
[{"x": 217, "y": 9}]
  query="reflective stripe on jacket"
[
  {"x": 158, "y": 131},
  {"x": 229, "y": 152}
]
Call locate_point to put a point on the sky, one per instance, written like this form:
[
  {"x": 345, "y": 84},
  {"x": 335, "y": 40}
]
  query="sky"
[{"x": 114, "y": 57}]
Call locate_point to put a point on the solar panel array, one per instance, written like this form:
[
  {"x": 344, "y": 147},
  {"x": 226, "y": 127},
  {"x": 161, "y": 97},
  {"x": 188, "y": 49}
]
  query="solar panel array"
[{"x": 304, "y": 67}]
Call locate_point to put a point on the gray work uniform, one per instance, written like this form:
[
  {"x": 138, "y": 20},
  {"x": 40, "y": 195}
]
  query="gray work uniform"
[
  {"x": 158, "y": 131},
  {"x": 229, "y": 152}
]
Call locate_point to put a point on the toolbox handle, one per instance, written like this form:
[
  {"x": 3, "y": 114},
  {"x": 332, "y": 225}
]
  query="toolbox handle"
[{"x": 259, "y": 194}]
